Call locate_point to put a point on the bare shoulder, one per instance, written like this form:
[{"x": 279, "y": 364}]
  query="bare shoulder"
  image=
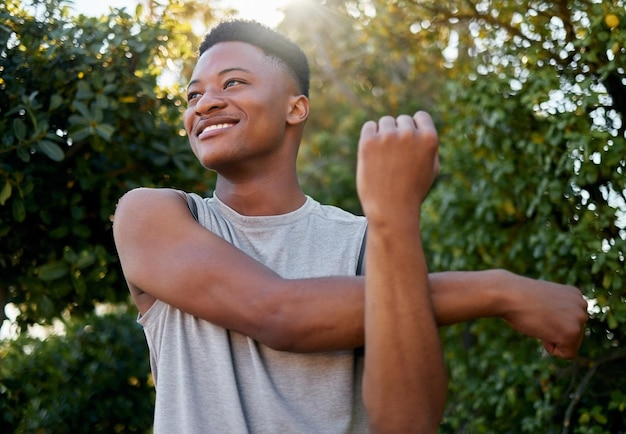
[
  {"x": 140, "y": 212},
  {"x": 148, "y": 219},
  {"x": 143, "y": 210},
  {"x": 143, "y": 225},
  {"x": 140, "y": 201}
]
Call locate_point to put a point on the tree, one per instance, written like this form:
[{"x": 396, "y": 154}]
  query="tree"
[
  {"x": 83, "y": 119},
  {"x": 94, "y": 378},
  {"x": 529, "y": 97},
  {"x": 356, "y": 75},
  {"x": 532, "y": 130}
]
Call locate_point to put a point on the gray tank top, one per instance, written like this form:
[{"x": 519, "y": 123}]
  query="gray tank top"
[{"x": 212, "y": 380}]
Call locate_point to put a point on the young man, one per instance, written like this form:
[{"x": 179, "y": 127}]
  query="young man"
[{"x": 249, "y": 300}]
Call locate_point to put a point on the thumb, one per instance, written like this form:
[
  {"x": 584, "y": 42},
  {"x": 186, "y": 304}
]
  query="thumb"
[{"x": 550, "y": 347}]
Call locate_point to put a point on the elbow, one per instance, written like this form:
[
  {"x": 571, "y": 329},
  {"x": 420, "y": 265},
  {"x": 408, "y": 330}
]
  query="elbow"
[
  {"x": 283, "y": 343},
  {"x": 273, "y": 323},
  {"x": 274, "y": 332}
]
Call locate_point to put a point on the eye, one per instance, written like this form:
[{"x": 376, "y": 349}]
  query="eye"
[
  {"x": 192, "y": 95},
  {"x": 232, "y": 82}
]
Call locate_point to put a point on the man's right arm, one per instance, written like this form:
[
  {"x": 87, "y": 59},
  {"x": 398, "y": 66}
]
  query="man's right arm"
[{"x": 167, "y": 255}]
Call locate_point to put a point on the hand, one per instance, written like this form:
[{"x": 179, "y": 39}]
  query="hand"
[
  {"x": 554, "y": 313},
  {"x": 397, "y": 164}
]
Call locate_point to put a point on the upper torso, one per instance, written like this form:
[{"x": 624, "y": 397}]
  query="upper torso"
[{"x": 209, "y": 379}]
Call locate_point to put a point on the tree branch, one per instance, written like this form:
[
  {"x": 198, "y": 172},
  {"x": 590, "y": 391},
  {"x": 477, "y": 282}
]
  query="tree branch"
[{"x": 580, "y": 390}]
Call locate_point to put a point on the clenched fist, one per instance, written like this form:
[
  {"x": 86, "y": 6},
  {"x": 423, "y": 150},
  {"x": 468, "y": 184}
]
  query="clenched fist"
[{"x": 397, "y": 164}]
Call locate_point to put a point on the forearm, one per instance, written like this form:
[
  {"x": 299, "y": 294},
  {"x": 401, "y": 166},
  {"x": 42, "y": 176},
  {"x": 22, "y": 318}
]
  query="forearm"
[
  {"x": 404, "y": 381},
  {"x": 456, "y": 297},
  {"x": 319, "y": 314},
  {"x": 460, "y": 296},
  {"x": 553, "y": 313},
  {"x": 309, "y": 315}
]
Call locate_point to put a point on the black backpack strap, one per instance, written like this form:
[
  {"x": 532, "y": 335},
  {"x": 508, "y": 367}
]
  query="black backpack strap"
[
  {"x": 193, "y": 207},
  {"x": 359, "y": 264}
]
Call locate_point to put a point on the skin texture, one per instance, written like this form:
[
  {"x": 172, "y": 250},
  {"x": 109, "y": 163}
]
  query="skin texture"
[
  {"x": 200, "y": 282},
  {"x": 404, "y": 381},
  {"x": 235, "y": 84},
  {"x": 245, "y": 120}
]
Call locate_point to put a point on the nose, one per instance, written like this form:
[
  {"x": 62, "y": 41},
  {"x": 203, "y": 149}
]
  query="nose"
[{"x": 209, "y": 101}]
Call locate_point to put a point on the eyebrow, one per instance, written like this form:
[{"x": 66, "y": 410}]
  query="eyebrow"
[{"x": 222, "y": 72}]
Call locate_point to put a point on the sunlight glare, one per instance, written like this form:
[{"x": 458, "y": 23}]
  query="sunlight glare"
[{"x": 268, "y": 12}]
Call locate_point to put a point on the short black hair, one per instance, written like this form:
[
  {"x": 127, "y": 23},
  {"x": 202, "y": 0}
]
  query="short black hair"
[{"x": 273, "y": 44}]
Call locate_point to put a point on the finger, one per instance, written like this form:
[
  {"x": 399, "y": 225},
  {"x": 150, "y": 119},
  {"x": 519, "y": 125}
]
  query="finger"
[
  {"x": 550, "y": 347},
  {"x": 405, "y": 122},
  {"x": 369, "y": 129},
  {"x": 386, "y": 124},
  {"x": 428, "y": 132},
  {"x": 423, "y": 121},
  {"x": 563, "y": 351}
]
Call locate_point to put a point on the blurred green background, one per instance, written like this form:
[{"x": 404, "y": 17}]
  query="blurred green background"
[{"x": 530, "y": 101}]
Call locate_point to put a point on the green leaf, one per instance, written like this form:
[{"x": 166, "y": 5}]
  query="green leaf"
[
  {"x": 51, "y": 149},
  {"x": 83, "y": 91},
  {"x": 81, "y": 231},
  {"x": 53, "y": 271},
  {"x": 82, "y": 109},
  {"x": 81, "y": 134},
  {"x": 110, "y": 88},
  {"x": 59, "y": 232},
  {"x": 70, "y": 255},
  {"x": 19, "y": 129},
  {"x": 97, "y": 114},
  {"x": 31, "y": 100},
  {"x": 5, "y": 194},
  {"x": 19, "y": 211},
  {"x": 584, "y": 418},
  {"x": 54, "y": 137},
  {"x": 77, "y": 120},
  {"x": 23, "y": 154},
  {"x": 45, "y": 216},
  {"x": 85, "y": 260},
  {"x": 55, "y": 101},
  {"x": 102, "y": 101},
  {"x": 105, "y": 131}
]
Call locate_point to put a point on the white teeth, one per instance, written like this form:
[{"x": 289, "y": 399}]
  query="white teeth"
[{"x": 216, "y": 127}]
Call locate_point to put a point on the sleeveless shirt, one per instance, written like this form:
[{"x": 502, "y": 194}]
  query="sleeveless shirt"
[{"x": 212, "y": 380}]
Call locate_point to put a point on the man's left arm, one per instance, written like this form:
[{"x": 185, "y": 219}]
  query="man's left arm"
[
  {"x": 404, "y": 380},
  {"x": 554, "y": 313}
]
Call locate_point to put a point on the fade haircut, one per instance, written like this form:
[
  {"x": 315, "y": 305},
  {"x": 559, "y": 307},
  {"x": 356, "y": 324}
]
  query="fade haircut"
[{"x": 276, "y": 46}]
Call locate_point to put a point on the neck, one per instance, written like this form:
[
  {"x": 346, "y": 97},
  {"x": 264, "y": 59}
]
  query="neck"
[
  {"x": 272, "y": 195},
  {"x": 264, "y": 186}
]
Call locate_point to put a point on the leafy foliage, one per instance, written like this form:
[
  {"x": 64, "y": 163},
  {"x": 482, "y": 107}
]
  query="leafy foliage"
[
  {"x": 530, "y": 101},
  {"x": 93, "y": 379},
  {"x": 357, "y": 73},
  {"x": 529, "y": 97},
  {"x": 535, "y": 136},
  {"x": 82, "y": 121}
]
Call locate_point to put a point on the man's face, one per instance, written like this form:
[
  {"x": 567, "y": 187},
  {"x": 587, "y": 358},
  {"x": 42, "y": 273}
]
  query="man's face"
[{"x": 238, "y": 100}]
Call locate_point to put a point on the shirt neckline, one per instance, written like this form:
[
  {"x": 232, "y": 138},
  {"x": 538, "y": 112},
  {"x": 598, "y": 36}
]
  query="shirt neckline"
[{"x": 278, "y": 219}]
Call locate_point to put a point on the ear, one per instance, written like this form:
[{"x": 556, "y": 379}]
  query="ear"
[{"x": 298, "y": 110}]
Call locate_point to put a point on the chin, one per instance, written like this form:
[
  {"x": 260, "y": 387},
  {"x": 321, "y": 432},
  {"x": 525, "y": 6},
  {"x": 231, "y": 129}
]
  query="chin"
[{"x": 212, "y": 162}]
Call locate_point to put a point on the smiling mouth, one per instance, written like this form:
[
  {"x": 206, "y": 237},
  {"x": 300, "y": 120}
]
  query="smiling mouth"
[{"x": 216, "y": 127}]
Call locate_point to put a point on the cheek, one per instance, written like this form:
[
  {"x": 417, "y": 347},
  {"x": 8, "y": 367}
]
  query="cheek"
[{"x": 188, "y": 117}]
